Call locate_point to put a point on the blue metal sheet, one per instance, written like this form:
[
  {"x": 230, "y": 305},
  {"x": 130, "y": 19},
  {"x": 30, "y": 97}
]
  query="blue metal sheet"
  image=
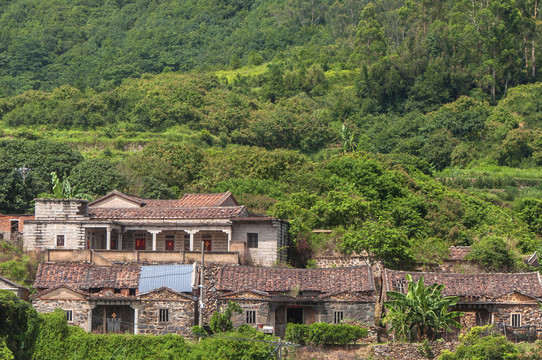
[{"x": 175, "y": 277}]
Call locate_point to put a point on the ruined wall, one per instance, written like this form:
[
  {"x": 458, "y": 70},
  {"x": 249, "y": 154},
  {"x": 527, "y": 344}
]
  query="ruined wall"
[{"x": 406, "y": 351}]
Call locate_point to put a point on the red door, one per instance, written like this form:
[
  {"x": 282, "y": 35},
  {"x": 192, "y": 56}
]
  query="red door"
[
  {"x": 206, "y": 245},
  {"x": 170, "y": 245},
  {"x": 140, "y": 244}
]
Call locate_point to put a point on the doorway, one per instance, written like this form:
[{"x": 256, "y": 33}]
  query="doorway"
[{"x": 294, "y": 315}]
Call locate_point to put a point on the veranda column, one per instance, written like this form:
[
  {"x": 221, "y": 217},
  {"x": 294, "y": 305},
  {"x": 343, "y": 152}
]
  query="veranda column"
[
  {"x": 228, "y": 232},
  {"x": 108, "y": 238},
  {"x": 191, "y": 233},
  {"x": 154, "y": 233},
  {"x": 119, "y": 240},
  {"x": 136, "y": 321}
]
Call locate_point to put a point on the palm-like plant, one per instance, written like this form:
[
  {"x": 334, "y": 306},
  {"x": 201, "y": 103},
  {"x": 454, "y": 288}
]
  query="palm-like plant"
[{"x": 420, "y": 313}]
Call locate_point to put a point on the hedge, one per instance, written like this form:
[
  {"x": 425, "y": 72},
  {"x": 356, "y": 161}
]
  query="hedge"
[{"x": 324, "y": 334}]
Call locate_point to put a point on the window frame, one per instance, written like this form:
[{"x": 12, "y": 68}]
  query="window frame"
[
  {"x": 58, "y": 237},
  {"x": 252, "y": 240},
  {"x": 163, "y": 315},
  {"x": 69, "y": 315},
  {"x": 515, "y": 318},
  {"x": 250, "y": 317},
  {"x": 338, "y": 316},
  {"x": 14, "y": 226}
]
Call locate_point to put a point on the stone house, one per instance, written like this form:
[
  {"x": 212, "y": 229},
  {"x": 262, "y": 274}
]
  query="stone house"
[
  {"x": 506, "y": 300},
  {"x": 119, "y": 225},
  {"x": 17, "y": 289},
  {"x": 272, "y": 297},
  {"x": 120, "y": 298}
]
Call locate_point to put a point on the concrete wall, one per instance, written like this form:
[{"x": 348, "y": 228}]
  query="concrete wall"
[
  {"x": 61, "y": 209},
  {"x": 272, "y": 240},
  {"x": 43, "y": 235}
]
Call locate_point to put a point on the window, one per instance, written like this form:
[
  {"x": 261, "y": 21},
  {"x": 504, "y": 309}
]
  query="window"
[
  {"x": 338, "y": 317},
  {"x": 131, "y": 292},
  {"x": 69, "y": 315},
  {"x": 399, "y": 286},
  {"x": 163, "y": 315},
  {"x": 186, "y": 242},
  {"x": 515, "y": 320},
  {"x": 170, "y": 243},
  {"x": 14, "y": 226},
  {"x": 116, "y": 291},
  {"x": 252, "y": 240},
  {"x": 60, "y": 240},
  {"x": 251, "y": 317}
]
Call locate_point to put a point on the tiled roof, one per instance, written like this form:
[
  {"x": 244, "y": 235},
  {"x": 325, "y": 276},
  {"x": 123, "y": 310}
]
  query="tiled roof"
[
  {"x": 474, "y": 285},
  {"x": 168, "y": 213},
  {"x": 458, "y": 253},
  {"x": 86, "y": 276},
  {"x": 206, "y": 200},
  {"x": 238, "y": 278}
]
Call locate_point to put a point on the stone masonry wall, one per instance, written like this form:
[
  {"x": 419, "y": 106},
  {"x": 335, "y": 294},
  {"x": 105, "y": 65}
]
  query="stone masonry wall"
[
  {"x": 405, "y": 351},
  {"x": 79, "y": 307},
  {"x": 211, "y": 293},
  {"x": 530, "y": 314},
  {"x": 263, "y": 314},
  {"x": 360, "y": 312},
  {"x": 181, "y": 317}
]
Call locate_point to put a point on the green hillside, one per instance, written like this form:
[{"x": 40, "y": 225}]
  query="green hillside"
[{"x": 402, "y": 126}]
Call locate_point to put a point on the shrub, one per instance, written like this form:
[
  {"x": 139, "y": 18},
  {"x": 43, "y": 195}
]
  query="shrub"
[
  {"x": 322, "y": 334},
  {"x": 297, "y": 333}
]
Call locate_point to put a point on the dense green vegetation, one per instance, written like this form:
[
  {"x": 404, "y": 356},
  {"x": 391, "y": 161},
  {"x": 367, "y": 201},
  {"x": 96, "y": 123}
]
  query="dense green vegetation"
[{"x": 402, "y": 126}]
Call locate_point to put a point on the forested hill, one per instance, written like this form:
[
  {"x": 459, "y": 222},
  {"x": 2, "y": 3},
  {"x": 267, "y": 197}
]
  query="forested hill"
[
  {"x": 407, "y": 54},
  {"x": 402, "y": 126}
]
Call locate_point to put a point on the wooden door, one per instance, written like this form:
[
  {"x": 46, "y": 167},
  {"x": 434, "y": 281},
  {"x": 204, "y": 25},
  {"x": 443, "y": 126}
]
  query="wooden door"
[
  {"x": 170, "y": 245},
  {"x": 140, "y": 244},
  {"x": 206, "y": 245}
]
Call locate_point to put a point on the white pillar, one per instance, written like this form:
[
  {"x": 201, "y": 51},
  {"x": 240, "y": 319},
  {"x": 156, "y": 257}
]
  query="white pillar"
[
  {"x": 108, "y": 238},
  {"x": 228, "y": 232},
  {"x": 154, "y": 233},
  {"x": 119, "y": 240},
  {"x": 89, "y": 325},
  {"x": 191, "y": 232},
  {"x": 136, "y": 322}
]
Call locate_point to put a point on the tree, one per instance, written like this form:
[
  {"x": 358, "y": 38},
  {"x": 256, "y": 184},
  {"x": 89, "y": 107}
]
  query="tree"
[
  {"x": 420, "y": 313},
  {"x": 221, "y": 322},
  {"x": 19, "y": 325},
  {"x": 381, "y": 241},
  {"x": 96, "y": 177},
  {"x": 492, "y": 254}
]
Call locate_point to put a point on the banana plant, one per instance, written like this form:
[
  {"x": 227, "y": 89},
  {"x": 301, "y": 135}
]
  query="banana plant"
[{"x": 420, "y": 313}]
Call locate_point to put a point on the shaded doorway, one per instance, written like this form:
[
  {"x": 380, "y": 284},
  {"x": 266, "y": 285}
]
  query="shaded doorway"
[
  {"x": 294, "y": 315},
  {"x": 113, "y": 319}
]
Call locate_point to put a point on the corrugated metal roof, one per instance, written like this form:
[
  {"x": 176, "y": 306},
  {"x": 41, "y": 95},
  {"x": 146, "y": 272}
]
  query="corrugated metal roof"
[{"x": 175, "y": 277}]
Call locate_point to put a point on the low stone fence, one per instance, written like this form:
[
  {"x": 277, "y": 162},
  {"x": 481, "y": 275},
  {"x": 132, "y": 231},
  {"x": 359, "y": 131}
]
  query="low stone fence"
[{"x": 407, "y": 351}]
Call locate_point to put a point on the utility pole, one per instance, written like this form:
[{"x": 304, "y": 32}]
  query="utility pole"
[{"x": 201, "y": 285}]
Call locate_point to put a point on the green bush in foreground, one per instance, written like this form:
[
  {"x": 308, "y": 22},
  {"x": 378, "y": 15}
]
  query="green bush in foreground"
[
  {"x": 481, "y": 343},
  {"x": 324, "y": 334}
]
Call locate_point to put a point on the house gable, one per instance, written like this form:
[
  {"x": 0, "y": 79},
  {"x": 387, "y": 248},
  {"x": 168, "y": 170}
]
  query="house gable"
[
  {"x": 165, "y": 293},
  {"x": 117, "y": 200},
  {"x": 61, "y": 293},
  {"x": 516, "y": 297},
  {"x": 247, "y": 295}
]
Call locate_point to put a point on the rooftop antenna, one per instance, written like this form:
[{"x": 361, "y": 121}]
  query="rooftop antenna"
[{"x": 24, "y": 171}]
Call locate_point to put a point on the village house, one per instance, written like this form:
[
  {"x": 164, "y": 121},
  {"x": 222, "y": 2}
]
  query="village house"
[
  {"x": 127, "y": 228},
  {"x": 510, "y": 301},
  {"x": 120, "y": 298},
  {"x": 17, "y": 289},
  {"x": 272, "y": 297}
]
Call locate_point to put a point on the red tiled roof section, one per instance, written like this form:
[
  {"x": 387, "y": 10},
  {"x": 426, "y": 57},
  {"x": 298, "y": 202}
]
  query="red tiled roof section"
[
  {"x": 334, "y": 280},
  {"x": 168, "y": 213},
  {"x": 458, "y": 253},
  {"x": 208, "y": 200},
  {"x": 474, "y": 285},
  {"x": 86, "y": 276}
]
